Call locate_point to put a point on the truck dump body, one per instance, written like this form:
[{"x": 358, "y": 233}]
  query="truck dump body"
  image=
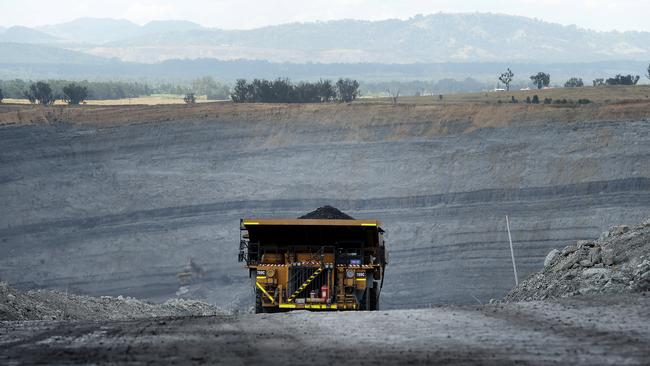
[{"x": 314, "y": 264}]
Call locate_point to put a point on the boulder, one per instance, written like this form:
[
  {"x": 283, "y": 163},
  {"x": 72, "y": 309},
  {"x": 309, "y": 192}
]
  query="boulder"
[
  {"x": 595, "y": 256},
  {"x": 607, "y": 257},
  {"x": 585, "y": 243},
  {"x": 550, "y": 257},
  {"x": 586, "y": 263},
  {"x": 592, "y": 272},
  {"x": 619, "y": 230}
]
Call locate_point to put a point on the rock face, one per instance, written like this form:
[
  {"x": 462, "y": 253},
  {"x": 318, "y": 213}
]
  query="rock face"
[
  {"x": 117, "y": 209},
  {"x": 617, "y": 262}
]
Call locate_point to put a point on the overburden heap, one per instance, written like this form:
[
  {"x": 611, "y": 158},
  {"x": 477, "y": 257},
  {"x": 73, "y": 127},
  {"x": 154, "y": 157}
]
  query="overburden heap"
[{"x": 618, "y": 262}]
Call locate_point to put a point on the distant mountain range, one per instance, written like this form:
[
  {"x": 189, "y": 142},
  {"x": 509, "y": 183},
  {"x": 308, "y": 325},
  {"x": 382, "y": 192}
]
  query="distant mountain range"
[
  {"x": 29, "y": 61},
  {"x": 468, "y": 37},
  {"x": 100, "y": 31},
  {"x": 119, "y": 48}
]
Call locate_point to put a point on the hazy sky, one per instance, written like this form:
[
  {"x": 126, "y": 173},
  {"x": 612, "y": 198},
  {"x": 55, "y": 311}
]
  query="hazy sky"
[{"x": 228, "y": 14}]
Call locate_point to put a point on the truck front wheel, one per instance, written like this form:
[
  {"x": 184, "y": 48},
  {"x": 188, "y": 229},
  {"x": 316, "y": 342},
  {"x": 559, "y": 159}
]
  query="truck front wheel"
[{"x": 258, "y": 302}]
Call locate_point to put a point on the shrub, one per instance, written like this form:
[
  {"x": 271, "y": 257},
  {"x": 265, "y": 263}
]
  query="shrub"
[
  {"x": 584, "y": 101},
  {"x": 535, "y": 99},
  {"x": 548, "y": 100}
]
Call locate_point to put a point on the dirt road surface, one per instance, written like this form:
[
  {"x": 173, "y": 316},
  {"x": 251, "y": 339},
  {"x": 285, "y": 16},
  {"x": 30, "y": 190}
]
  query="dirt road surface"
[{"x": 582, "y": 330}]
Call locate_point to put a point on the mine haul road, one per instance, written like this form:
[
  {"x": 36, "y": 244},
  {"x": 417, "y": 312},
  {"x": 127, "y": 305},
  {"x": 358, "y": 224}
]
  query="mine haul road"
[{"x": 601, "y": 330}]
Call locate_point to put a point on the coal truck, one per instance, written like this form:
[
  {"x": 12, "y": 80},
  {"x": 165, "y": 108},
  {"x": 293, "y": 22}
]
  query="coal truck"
[{"x": 314, "y": 264}]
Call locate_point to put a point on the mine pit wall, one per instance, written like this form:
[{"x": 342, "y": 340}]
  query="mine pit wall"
[{"x": 118, "y": 209}]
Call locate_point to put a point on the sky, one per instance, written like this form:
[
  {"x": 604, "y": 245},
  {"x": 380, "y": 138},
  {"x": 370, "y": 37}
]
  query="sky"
[{"x": 602, "y": 15}]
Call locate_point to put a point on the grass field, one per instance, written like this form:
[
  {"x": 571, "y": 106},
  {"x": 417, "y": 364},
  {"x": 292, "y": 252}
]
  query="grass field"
[
  {"x": 154, "y": 99},
  {"x": 605, "y": 94}
]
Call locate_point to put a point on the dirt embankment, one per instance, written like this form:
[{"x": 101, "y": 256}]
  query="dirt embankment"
[
  {"x": 405, "y": 119},
  {"x": 618, "y": 262},
  {"x": 55, "y": 305}
]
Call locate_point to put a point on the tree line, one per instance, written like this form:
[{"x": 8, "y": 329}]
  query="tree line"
[
  {"x": 542, "y": 80},
  {"x": 96, "y": 89},
  {"x": 284, "y": 91},
  {"x": 71, "y": 92}
]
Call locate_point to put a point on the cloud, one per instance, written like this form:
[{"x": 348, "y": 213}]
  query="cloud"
[
  {"x": 143, "y": 12},
  {"x": 237, "y": 14}
]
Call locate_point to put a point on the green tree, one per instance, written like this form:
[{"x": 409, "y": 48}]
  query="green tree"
[
  {"x": 241, "y": 93},
  {"x": 210, "y": 88},
  {"x": 541, "y": 80},
  {"x": 574, "y": 83},
  {"x": 599, "y": 82},
  {"x": 623, "y": 80},
  {"x": 326, "y": 90},
  {"x": 506, "y": 78},
  {"x": 40, "y": 92},
  {"x": 535, "y": 99},
  {"x": 74, "y": 93},
  {"x": 347, "y": 90}
]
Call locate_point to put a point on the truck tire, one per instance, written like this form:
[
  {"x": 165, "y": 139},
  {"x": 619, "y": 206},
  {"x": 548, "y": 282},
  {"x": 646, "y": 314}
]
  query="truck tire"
[
  {"x": 374, "y": 300},
  {"x": 258, "y": 302}
]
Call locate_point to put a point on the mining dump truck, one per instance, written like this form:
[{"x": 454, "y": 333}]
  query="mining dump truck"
[{"x": 314, "y": 264}]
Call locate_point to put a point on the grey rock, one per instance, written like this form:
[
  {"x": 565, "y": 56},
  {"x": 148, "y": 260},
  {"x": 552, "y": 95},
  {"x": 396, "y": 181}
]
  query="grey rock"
[
  {"x": 585, "y": 243},
  {"x": 603, "y": 236},
  {"x": 595, "y": 255},
  {"x": 586, "y": 263},
  {"x": 590, "y": 272},
  {"x": 619, "y": 230},
  {"x": 607, "y": 257},
  {"x": 550, "y": 257}
]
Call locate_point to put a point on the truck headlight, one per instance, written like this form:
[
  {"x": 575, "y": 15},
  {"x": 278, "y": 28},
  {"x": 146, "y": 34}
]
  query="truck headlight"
[{"x": 349, "y": 273}]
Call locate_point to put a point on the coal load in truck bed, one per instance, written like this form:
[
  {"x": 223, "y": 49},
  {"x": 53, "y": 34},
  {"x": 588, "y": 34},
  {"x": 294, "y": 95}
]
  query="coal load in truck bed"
[{"x": 327, "y": 213}]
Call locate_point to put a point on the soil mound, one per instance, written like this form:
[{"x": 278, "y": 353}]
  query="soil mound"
[
  {"x": 618, "y": 262},
  {"x": 327, "y": 213},
  {"x": 54, "y": 305}
]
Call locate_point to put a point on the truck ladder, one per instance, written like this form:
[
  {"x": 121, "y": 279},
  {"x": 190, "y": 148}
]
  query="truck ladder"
[{"x": 304, "y": 285}]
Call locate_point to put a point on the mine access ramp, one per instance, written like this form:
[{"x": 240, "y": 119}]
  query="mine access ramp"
[{"x": 314, "y": 264}]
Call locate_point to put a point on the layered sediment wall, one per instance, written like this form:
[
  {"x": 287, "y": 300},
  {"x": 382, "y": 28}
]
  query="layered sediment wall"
[{"x": 115, "y": 202}]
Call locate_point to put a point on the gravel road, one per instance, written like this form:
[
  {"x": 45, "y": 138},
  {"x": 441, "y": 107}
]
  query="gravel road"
[{"x": 580, "y": 330}]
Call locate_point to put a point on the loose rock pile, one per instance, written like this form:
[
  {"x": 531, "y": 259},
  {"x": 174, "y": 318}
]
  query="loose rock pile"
[
  {"x": 54, "y": 305},
  {"x": 619, "y": 261}
]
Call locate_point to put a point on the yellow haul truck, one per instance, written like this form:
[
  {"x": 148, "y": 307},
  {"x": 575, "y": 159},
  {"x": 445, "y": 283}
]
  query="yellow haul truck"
[{"x": 314, "y": 264}]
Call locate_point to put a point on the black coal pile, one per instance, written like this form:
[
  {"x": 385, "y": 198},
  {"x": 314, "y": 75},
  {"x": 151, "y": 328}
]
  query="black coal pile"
[{"x": 327, "y": 213}]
